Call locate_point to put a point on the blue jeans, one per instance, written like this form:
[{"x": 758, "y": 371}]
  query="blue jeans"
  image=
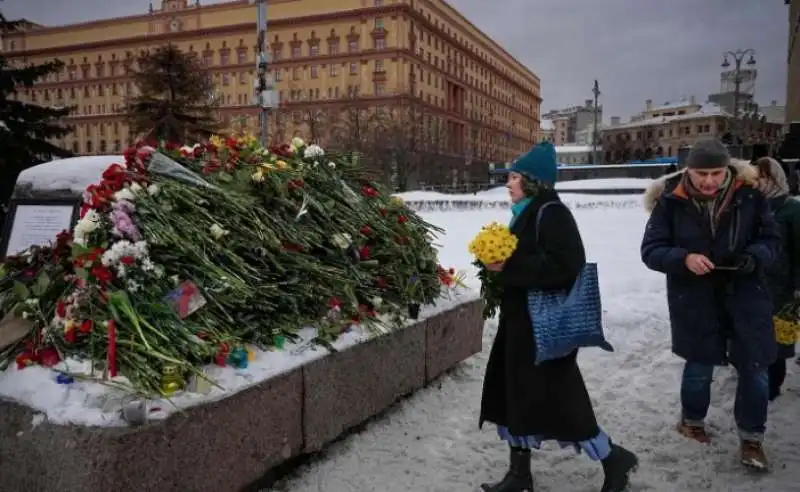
[{"x": 752, "y": 398}]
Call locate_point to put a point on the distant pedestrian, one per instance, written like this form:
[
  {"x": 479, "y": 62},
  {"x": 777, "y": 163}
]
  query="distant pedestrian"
[
  {"x": 532, "y": 403},
  {"x": 712, "y": 233},
  {"x": 784, "y": 275}
]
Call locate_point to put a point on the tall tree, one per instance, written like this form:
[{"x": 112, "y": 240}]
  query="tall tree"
[
  {"x": 175, "y": 96},
  {"x": 27, "y": 130}
]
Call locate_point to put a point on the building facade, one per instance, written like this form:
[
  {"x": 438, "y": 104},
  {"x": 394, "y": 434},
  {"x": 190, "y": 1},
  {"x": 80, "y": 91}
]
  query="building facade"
[
  {"x": 323, "y": 53},
  {"x": 547, "y": 131},
  {"x": 573, "y": 154},
  {"x": 791, "y": 147},
  {"x": 661, "y": 130},
  {"x": 574, "y": 119}
]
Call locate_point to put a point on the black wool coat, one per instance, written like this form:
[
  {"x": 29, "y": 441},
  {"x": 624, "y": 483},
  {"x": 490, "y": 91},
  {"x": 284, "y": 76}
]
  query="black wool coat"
[{"x": 549, "y": 400}]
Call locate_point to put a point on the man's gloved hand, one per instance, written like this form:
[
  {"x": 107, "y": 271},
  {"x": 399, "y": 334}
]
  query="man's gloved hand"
[{"x": 745, "y": 264}]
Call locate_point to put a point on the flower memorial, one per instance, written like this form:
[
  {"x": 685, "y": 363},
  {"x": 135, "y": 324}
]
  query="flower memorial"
[
  {"x": 494, "y": 243},
  {"x": 185, "y": 256}
]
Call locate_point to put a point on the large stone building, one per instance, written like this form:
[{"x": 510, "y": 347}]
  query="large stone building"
[
  {"x": 791, "y": 148},
  {"x": 387, "y": 52},
  {"x": 660, "y": 130}
]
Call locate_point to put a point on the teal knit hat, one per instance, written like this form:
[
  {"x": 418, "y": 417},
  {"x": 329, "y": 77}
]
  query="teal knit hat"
[{"x": 539, "y": 163}]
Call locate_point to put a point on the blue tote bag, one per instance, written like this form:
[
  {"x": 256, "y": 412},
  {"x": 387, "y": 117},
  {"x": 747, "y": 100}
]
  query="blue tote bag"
[{"x": 563, "y": 322}]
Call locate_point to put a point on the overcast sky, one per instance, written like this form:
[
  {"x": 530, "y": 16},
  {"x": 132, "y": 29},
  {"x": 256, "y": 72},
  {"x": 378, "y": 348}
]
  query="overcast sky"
[{"x": 637, "y": 49}]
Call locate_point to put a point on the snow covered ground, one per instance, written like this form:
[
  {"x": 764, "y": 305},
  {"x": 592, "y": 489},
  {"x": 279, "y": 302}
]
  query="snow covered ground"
[{"x": 431, "y": 441}]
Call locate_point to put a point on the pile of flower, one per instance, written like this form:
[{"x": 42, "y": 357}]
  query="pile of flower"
[
  {"x": 185, "y": 254},
  {"x": 786, "y": 323},
  {"x": 493, "y": 244}
]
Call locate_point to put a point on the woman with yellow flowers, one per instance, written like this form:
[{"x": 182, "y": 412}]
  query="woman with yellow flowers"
[
  {"x": 532, "y": 401},
  {"x": 784, "y": 276}
]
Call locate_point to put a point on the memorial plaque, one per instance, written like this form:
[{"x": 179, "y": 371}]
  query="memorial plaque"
[{"x": 32, "y": 222}]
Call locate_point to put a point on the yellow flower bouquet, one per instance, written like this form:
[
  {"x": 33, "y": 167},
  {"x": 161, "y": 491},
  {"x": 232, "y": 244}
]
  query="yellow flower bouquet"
[
  {"x": 786, "y": 324},
  {"x": 493, "y": 244}
]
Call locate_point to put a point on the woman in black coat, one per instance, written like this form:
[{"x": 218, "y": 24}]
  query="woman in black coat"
[
  {"x": 533, "y": 403},
  {"x": 784, "y": 275}
]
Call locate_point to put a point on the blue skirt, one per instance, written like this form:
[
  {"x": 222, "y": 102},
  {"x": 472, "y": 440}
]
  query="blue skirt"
[{"x": 597, "y": 448}]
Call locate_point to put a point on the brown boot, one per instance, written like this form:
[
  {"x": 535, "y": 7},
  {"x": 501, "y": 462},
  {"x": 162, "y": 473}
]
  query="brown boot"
[
  {"x": 753, "y": 456},
  {"x": 696, "y": 432}
]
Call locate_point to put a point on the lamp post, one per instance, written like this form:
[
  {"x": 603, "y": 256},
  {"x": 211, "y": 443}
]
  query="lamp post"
[
  {"x": 738, "y": 58},
  {"x": 596, "y": 92},
  {"x": 265, "y": 95}
]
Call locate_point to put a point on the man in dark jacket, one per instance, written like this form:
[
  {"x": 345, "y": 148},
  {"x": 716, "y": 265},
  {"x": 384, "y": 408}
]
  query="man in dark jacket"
[{"x": 712, "y": 233}]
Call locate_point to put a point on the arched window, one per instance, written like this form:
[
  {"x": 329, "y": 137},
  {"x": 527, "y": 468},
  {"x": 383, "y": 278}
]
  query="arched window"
[
  {"x": 75, "y": 148},
  {"x": 89, "y": 149},
  {"x": 103, "y": 147}
]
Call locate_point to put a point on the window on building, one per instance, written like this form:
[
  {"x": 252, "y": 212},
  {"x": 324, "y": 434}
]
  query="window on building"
[
  {"x": 352, "y": 46},
  {"x": 241, "y": 57},
  {"x": 353, "y": 68},
  {"x": 333, "y": 70},
  {"x": 313, "y": 50},
  {"x": 207, "y": 59},
  {"x": 279, "y": 75},
  {"x": 277, "y": 54},
  {"x": 380, "y": 89},
  {"x": 103, "y": 147},
  {"x": 379, "y": 67},
  {"x": 333, "y": 48},
  {"x": 379, "y": 43},
  {"x": 314, "y": 71},
  {"x": 75, "y": 148},
  {"x": 89, "y": 148},
  {"x": 224, "y": 58},
  {"x": 117, "y": 146},
  {"x": 296, "y": 52},
  {"x": 379, "y": 23},
  {"x": 297, "y": 73},
  {"x": 226, "y": 79}
]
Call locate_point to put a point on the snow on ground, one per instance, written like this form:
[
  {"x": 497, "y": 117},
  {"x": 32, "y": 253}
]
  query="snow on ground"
[
  {"x": 431, "y": 442},
  {"x": 605, "y": 184},
  {"x": 500, "y": 192}
]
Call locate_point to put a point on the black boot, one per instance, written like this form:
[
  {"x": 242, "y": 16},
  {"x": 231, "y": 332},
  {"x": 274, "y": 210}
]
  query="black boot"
[
  {"x": 618, "y": 466},
  {"x": 518, "y": 478}
]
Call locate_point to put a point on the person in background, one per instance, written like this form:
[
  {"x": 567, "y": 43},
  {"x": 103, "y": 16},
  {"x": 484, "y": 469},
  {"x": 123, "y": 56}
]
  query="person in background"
[
  {"x": 784, "y": 275},
  {"x": 713, "y": 234},
  {"x": 533, "y": 403}
]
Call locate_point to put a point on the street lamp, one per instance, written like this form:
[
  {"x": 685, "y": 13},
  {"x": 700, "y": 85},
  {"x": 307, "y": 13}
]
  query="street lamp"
[
  {"x": 738, "y": 58},
  {"x": 596, "y": 92},
  {"x": 265, "y": 95}
]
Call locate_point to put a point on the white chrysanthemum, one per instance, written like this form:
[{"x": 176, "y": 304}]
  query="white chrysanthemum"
[
  {"x": 298, "y": 143},
  {"x": 331, "y": 164},
  {"x": 152, "y": 189},
  {"x": 125, "y": 194},
  {"x": 313, "y": 151}
]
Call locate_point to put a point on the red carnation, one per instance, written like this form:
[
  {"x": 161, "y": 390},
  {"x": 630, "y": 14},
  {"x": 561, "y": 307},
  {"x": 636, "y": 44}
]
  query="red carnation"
[{"x": 86, "y": 327}]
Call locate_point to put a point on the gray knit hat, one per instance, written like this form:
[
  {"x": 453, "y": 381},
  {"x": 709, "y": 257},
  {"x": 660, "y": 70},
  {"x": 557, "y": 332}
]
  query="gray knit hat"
[{"x": 708, "y": 154}]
